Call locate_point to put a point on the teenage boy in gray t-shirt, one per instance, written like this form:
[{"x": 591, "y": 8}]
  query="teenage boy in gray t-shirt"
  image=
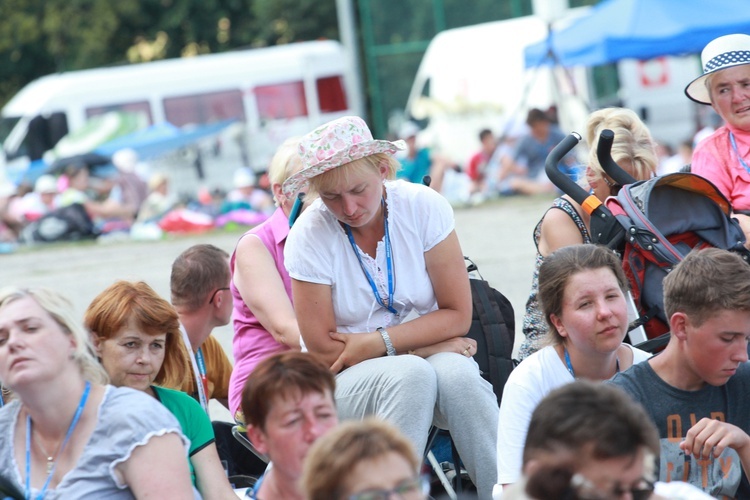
[{"x": 697, "y": 391}]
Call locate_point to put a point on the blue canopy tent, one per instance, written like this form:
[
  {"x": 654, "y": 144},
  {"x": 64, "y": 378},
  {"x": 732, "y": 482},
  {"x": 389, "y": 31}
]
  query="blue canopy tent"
[
  {"x": 640, "y": 29},
  {"x": 160, "y": 138},
  {"x": 149, "y": 142}
]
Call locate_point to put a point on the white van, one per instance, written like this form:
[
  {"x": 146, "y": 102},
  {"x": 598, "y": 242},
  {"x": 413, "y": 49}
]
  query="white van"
[
  {"x": 273, "y": 93},
  {"x": 474, "y": 77}
]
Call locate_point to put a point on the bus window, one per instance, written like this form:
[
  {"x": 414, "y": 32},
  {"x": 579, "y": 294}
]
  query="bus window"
[
  {"x": 283, "y": 100},
  {"x": 132, "y": 107},
  {"x": 331, "y": 95},
  {"x": 200, "y": 109}
]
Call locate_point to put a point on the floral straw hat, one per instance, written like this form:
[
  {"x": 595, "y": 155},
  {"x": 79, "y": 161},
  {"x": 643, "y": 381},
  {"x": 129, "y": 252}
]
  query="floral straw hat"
[
  {"x": 336, "y": 143},
  {"x": 720, "y": 53}
]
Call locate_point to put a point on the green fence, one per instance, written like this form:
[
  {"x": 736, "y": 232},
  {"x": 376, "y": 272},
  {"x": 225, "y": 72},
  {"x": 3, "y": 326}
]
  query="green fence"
[{"x": 395, "y": 35}]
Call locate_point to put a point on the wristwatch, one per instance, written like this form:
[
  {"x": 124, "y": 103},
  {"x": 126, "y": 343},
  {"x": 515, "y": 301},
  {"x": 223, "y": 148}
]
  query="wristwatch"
[{"x": 389, "y": 349}]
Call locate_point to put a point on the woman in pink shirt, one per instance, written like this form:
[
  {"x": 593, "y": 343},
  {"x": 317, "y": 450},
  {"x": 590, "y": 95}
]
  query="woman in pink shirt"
[{"x": 264, "y": 320}]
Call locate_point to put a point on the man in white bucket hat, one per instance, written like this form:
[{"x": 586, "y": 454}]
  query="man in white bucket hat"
[{"x": 724, "y": 157}]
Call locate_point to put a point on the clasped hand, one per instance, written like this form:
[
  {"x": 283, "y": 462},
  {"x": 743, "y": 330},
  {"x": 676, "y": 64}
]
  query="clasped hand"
[
  {"x": 362, "y": 346},
  {"x": 713, "y": 436}
]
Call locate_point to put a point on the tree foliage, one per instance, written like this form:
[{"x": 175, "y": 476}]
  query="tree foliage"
[{"x": 38, "y": 37}]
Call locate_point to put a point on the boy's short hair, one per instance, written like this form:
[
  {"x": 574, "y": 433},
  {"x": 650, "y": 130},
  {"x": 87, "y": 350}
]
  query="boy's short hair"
[
  {"x": 485, "y": 132},
  {"x": 536, "y": 115},
  {"x": 707, "y": 281},
  {"x": 280, "y": 376},
  {"x": 597, "y": 418}
]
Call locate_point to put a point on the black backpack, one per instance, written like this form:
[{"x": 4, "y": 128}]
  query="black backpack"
[
  {"x": 493, "y": 327},
  {"x": 70, "y": 223}
]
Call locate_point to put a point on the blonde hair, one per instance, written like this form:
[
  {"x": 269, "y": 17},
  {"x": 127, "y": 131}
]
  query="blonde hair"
[
  {"x": 335, "y": 455},
  {"x": 60, "y": 310},
  {"x": 633, "y": 147},
  {"x": 285, "y": 162},
  {"x": 344, "y": 172}
]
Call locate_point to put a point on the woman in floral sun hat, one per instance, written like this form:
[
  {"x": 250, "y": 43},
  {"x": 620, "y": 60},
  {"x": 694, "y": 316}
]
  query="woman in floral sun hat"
[{"x": 382, "y": 295}]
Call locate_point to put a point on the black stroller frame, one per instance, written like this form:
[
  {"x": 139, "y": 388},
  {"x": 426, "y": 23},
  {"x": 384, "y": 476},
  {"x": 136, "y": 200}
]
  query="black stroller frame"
[{"x": 651, "y": 225}]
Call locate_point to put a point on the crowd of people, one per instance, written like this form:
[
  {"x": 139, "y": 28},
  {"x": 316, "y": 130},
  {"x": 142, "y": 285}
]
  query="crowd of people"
[
  {"x": 350, "y": 344},
  {"x": 83, "y": 200}
]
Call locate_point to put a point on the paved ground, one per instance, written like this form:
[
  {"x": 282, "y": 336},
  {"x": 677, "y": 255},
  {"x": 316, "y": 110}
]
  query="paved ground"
[{"x": 496, "y": 235}]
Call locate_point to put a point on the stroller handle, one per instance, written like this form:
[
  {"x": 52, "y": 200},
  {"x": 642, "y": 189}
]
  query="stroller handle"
[
  {"x": 603, "y": 154},
  {"x": 559, "y": 179},
  {"x": 604, "y": 230}
]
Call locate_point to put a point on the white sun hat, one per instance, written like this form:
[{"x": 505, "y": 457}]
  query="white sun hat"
[
  {"x": 243, "y": 178},
  {"x": 46, "y": 184},
  {"x": 721, "y": 53}
]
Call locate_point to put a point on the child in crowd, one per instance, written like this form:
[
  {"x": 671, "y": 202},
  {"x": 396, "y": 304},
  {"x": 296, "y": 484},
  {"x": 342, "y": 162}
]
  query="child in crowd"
[{"x": 695, "y": 390}]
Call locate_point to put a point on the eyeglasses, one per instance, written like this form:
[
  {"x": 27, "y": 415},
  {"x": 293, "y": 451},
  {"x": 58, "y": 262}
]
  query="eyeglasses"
[
  {"x": 586, "y": 490},
  {"x": 412, "y": 489},
  {"x": 214, "y": 294}
]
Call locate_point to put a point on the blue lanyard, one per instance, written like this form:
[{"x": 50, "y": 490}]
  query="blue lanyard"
[
  {"x": 72, "y": 427},
  {"x": 388, "y": 260},
  {"x": 570, "y": 365},
  {"x": 252, "y": 493},
  {"x": 203, "y": 395},
  {"x": 734, "y": 147}
]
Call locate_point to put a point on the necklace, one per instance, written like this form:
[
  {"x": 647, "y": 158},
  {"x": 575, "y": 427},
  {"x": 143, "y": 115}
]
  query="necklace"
[
  {"x": 50, "y": 456},
  {"x": 51, "y": 459}
]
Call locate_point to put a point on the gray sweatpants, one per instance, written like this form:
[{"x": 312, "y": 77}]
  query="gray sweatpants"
[{"x": 414, "y": 393}]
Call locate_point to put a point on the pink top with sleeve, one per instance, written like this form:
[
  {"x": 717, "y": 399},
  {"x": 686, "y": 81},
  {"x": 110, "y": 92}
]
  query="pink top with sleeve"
[
  {"x": 715, "y": 159},
  {"x": 252, "y": 343}
]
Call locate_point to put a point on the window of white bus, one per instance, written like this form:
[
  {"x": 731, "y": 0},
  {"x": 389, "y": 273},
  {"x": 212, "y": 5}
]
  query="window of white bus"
[
  {"x": 281, "y": 100},
  {"x": 131, "y": 107},
  {"x": 201, "y": 109},
  {"x": 331, "y": 95}
]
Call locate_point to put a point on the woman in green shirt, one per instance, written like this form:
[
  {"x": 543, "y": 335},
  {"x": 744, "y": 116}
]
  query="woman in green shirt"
[{"x": 137, "y": 339}]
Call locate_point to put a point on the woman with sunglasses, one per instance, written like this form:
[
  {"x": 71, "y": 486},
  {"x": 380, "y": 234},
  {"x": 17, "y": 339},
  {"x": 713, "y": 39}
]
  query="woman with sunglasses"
[{"x": 566, "y": 223}]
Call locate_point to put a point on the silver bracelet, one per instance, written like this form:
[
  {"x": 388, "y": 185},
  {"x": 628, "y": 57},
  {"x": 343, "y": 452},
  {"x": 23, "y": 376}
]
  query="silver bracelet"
[{"x": 389, "y": 349}]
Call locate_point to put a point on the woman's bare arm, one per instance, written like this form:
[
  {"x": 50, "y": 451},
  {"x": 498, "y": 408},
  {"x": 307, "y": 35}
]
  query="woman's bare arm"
[
  {"x": 313, "y": 304},
  {"x": 158, "y": 469},
  {"x": 262, "y": 289},
  {"x": 452, "y": 319},
  {"x": 558, "y": 230},
  {"x": 210, "y": 476}
]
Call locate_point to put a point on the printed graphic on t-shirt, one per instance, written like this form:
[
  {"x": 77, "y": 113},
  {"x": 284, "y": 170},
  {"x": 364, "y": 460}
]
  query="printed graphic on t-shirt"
[{"x": 717, "y": 476}]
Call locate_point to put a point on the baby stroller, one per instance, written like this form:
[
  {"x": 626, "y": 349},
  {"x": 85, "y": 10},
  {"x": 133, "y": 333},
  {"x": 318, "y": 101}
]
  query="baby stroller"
[{"x": 651, "y": 225}]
